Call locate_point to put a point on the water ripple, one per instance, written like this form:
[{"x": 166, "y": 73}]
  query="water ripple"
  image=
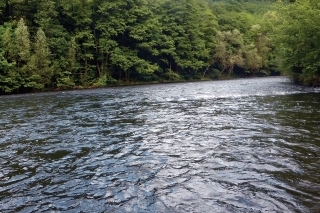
[{"x": 249, "y": 145}]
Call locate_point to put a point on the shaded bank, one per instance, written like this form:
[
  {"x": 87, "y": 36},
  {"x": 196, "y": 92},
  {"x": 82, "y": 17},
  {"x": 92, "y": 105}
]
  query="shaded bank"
[{"x": 222, "y": 77}]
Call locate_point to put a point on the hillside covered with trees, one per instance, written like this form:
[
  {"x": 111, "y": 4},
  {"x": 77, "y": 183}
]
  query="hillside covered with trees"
[{"x": 62, "y": 44}]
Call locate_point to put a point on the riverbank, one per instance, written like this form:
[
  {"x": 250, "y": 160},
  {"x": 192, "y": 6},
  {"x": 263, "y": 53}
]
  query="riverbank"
[
  {"x": 223, "y": 77},
  {"x": 136, "y": 83}
]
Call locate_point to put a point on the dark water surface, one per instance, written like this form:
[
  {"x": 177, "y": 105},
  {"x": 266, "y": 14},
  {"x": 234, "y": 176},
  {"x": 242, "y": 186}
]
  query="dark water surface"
[{"x": 250, "y": 145}]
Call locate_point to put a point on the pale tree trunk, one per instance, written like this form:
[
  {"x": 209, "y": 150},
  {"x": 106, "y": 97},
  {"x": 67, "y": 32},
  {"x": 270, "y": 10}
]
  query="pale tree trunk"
[
  {"x": 207, "y": 68},
  {"x": 97, "y": 51},
  {"x": 230, "y": 70},
  {"x": 223, "y": 69}
]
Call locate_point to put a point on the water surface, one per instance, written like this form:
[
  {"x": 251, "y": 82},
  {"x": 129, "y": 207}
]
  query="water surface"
[{"x": 248, "y": 145}]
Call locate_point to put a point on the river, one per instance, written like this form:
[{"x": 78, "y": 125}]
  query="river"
[{"x": 247, "y": 145}]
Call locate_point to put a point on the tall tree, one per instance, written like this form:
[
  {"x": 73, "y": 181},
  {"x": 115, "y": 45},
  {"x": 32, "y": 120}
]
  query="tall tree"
[
  {"x": 22, "y": 44},
  {"x": 9, "y": 80},
  {"x": 40, "y": 61},
  {"x": 110, "y": 21}
]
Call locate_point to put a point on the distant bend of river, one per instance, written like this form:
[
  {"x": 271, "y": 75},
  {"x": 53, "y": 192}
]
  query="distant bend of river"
[{"x": 247, "y": 145}]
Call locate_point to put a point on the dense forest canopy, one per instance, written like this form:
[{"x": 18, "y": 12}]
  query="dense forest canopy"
[{"x": 61, "y": 44}]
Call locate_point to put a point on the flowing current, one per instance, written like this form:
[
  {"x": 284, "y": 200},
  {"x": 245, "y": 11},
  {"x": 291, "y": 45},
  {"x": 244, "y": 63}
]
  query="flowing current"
[{"x": 248, "y": 145}]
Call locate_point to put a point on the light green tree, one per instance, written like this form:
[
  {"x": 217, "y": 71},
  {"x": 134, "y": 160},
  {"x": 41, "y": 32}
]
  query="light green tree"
[
  {"x": 41, "y": 57},
  {"x": 22, "y": 44},
  {"x": 229, "y": 50}
]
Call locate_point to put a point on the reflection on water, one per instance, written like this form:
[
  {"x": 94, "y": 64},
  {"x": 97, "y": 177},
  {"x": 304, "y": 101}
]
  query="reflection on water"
[{"x": 250, "y": 145}]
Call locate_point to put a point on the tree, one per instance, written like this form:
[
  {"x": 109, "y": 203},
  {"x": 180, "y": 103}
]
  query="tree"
[
  {"x": 93, "y": 42},
  {"x": 252, "y": 60},
  {"x": 229, "y": 50},
  {"x": 22, "y": 43},
  {"x": 40, "y": 63},
  {"x": 110, "y": 22},
  {"x": 80, "y": 13},
  {"x": 7, "y": 42},
  {"x": 296, "y": 35},
  {"x": 8, "y": 78},
  {"x": 64, "y": 78},
  {"x": 189, "y": 29}
]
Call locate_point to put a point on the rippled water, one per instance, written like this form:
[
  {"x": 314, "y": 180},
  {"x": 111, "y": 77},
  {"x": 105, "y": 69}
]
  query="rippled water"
[{"x": 250, "y": 145}]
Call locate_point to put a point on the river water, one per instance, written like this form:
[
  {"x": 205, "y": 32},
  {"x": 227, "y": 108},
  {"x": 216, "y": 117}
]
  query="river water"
[{"x": 248, "y": 145}]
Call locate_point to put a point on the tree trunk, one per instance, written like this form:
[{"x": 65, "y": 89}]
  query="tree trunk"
[
  {"x": 99, "y": 67},
  {"x": 223, "y": 69},
  {"x": 127, "y": 76},
  {"x": 86, "y": 67},
  {"x": 120, "y": 76},
  {"x": 107, "y": 62},
  {"x": 230, "y": 70},
  {"x": 207, "y": 68}
]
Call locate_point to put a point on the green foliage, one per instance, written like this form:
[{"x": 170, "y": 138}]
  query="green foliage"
[
  {"x": 49, "y": 44},
  {"x": 64, "y": 81},
  {"x": 171, "y": 76},
  {"x": 216, "y": 74},
  {"x": 296, "y": 33},
  {"x": 105, "y": 80},
  {"x": 33, "y": 82},
  {"x": 8, "y": 80},
  {"x": 41, "y": 57},
  {"x": 229, "y": 50},
  {"x": 22, "y": 43}
]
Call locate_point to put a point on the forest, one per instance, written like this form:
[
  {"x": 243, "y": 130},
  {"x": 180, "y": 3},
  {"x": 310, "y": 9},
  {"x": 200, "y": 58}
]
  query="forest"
[{"x": 70, "y": 44}]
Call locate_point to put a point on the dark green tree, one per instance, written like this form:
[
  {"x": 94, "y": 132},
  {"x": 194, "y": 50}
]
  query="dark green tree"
[{"x": 8, "y": 78}]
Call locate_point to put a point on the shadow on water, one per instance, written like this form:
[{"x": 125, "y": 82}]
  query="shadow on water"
[
  {"x": 232, "y": 146},
  {"x": 298, "y": 138}
]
